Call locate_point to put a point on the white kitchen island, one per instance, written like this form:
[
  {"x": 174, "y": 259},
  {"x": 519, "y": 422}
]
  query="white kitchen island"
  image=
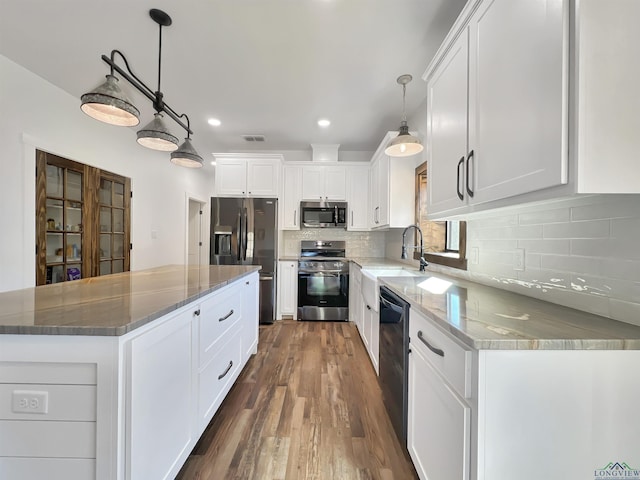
[{"x": 116, "y": 377}]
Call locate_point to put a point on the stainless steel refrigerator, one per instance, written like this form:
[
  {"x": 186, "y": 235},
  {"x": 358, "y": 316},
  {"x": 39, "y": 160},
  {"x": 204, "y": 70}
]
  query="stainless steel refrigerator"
[{"x": 244, "y": 232}]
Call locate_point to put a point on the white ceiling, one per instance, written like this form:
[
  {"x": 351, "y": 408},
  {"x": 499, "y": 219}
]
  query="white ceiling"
[{"x": 267, "y": 67}]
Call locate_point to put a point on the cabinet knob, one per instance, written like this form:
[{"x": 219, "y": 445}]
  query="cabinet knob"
[{"x": 197, "y": 313}]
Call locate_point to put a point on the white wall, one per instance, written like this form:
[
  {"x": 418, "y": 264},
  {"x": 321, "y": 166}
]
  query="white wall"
[{"x": 36, "y": 114}]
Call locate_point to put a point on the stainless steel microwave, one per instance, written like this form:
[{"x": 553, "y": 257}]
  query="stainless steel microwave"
[{"x": 323, "y": 214}]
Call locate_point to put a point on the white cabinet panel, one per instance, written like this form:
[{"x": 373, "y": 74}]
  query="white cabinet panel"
[
  {"x": 291, "y": 197},
  {"x": 439, "y": 430},
  {"x": 392, "y": 189},
  {"x": 47, "y": 468},
  {"x": 44, "y": 439},
  {"x": 357, "y": 198},
  {"x": 161, "y": 403},
  {"x": 250, "y": 316},
  {"x": 517, "y": 127},
  {"x": 288, "y": 288},
  {"x": 447, "y": 129},
  {"x": 218, "y": 313},
  {"x": 324, "y": 183},
  {"x": 247, "y": 175}
]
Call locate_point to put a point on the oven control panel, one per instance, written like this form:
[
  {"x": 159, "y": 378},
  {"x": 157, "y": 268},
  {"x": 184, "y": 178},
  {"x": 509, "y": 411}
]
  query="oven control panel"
[{"x": 323, "y": 266}]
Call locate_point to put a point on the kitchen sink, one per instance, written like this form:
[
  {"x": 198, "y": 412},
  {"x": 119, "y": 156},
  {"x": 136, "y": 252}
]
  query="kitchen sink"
[{"x": 370, "y": 287}]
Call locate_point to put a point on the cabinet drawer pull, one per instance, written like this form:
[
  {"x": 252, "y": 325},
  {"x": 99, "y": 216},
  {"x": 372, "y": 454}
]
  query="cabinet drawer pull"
[
  {"x": 469, "y": 157},
  {"x": 222, "y": 319},
  {"x": 460, "y": 164},
  {"x": 197, "y": 313},
  {"x": 435, "y": 350},
  {"x": 295, "y": 218},
  {"x": 224, "y": 374}
]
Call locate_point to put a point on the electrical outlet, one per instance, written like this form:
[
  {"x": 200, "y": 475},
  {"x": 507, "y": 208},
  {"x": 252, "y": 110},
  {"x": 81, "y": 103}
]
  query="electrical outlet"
[
  {"x": 29, "y": 401},
  {"x": 518, "y": 259},
  {"x": 474, "y": 256}
]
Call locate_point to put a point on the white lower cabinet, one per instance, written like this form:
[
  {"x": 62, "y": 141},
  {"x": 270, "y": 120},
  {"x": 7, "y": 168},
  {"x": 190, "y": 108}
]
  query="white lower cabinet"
[
  {"x": 287, "y": 289},
  {"x": 525, "y": 414},
  {"x": 439, "y": 432},
  {"x": 355, "y": 296}
]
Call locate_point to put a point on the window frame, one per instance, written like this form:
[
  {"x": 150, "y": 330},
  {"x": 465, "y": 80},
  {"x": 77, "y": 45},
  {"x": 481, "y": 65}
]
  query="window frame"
[{"x": 459, "y": 262}]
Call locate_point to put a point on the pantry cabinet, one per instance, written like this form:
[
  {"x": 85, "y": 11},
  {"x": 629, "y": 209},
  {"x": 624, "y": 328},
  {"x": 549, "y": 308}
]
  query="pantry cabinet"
[
  {"x": 324, "y": 183},
  {"x": 82, "y": 220},
  {"x": 391, "y": 189},
  {"x": 529, "y": 101},
  {"x": 244, "y": 175}
]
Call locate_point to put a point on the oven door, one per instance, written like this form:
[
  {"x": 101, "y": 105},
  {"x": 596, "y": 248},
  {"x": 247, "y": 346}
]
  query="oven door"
[{"x": 323, "y": 295}]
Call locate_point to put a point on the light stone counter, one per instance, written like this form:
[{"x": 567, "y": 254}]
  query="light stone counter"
[
  {"x": 112, "y": 304},
  {"x": 489, "y": 318}
]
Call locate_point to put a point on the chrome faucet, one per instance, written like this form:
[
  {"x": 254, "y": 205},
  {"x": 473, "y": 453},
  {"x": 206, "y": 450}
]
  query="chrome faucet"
[{"x": 423, "y": 262}]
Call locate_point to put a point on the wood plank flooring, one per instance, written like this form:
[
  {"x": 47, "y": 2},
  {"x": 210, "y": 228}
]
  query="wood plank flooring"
[{"x": 306, "y": 407}]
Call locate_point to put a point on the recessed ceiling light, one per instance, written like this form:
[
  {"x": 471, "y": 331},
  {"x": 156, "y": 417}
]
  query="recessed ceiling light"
[
  {"x": 214, "y": 122},
  {"x": 323, "y": 122},
  {"x": 213, "y": 162}
]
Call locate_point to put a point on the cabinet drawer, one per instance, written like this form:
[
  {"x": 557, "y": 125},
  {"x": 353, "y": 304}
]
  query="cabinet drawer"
[
  {"x": 47, "y": 439},
  {"x": 217, "y": 314},
  {"x": 65, "y": 402},
  {"x": 449, "y": 358},
  {"x": 215, "y": 379},
  {"x": 49, "y": 468}
]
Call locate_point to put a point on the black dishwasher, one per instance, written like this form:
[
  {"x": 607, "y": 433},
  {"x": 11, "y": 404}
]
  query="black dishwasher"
[{"x": 394, "y": 359}]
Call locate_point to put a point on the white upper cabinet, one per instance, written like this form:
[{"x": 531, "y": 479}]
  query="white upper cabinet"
[
  {"x": 392, "y": 189},
  {"x": 357, "y": 197},
  {"x": 514, "y": 115},
  {"x": 247, "y": 175},
  {"x": 324, "y": 182},
  {"x": 290, "y": 197}
]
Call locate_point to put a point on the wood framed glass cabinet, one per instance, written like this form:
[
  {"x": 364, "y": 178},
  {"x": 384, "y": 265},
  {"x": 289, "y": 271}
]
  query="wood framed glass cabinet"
[{"x": 83, "y": 220}]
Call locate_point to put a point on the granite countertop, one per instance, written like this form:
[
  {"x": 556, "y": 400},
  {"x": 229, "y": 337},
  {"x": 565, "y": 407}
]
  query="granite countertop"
[
  {"x": 485, "y": 317},
  {"x": 112, "y": 304}
]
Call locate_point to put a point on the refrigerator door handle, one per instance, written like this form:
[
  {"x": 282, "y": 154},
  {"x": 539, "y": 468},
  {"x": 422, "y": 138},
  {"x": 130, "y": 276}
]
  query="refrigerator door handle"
[
  {"x": 246, "y": 233},
  {"x": 239, "y": 236}
]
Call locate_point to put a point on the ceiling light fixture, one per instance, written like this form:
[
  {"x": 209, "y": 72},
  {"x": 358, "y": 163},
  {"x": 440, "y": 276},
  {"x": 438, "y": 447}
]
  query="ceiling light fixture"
[
  {"x": 214, "y": 122},
  {"x": 405, "y": 144},
  {"x": 108, "y": 103},
  {"x": 323, "y": 122}
]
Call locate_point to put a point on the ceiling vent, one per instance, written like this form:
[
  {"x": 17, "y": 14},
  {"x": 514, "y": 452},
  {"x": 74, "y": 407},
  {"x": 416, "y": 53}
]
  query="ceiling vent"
[
  {"x": 253, "y": 138},
  {"x": 325, "y": 152}
]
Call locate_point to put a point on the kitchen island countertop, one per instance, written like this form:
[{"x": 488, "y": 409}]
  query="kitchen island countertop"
[{"x": 112, "y": 304}]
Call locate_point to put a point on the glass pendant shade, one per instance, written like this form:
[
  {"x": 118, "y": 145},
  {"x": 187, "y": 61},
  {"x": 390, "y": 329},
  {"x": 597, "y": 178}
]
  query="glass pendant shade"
[
  {"x": 186, "y": 156},
  {"x": 157, "y": 136},
  {"x": 108, "y": 103},
  {"x": 404, "y": 145}
]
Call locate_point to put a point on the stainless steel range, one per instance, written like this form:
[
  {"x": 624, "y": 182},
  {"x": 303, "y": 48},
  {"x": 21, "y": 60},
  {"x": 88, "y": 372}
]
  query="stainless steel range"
[{"x": 323, "y": 281}]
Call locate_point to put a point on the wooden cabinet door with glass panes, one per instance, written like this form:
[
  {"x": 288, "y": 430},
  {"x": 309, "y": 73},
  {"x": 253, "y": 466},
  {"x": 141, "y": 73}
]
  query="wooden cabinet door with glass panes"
[{"x": 78, "y": 209}]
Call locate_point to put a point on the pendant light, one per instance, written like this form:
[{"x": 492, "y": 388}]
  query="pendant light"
[
  {"x": 405, "y": 144},
  {"x": 109, "y": 104},
  {"x": 186, "y": 155}
]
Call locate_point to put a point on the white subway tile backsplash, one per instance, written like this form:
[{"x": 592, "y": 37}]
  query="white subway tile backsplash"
[
  {"x": 553, "y": 246},
  {"x": 625, "y": 311},
  {"x": 567, "y": 263},
  {"x": 358, "y": 244},
  {"x": 587, "y": 229},
  {"x": 609, "y": 206},
  {"x": 626, "y": 228},
  {"x": 580, "y": 252},
  {"x": 551, "y": 216}
]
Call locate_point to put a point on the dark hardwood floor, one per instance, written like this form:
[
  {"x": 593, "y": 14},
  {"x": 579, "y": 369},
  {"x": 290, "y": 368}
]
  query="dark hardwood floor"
[{"x": 306, "y": 407}]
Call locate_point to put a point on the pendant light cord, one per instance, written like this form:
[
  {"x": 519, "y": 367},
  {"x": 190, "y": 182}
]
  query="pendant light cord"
[
  {"x": 404, "y": 92},
  {"x": 159, "y": 54}
]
